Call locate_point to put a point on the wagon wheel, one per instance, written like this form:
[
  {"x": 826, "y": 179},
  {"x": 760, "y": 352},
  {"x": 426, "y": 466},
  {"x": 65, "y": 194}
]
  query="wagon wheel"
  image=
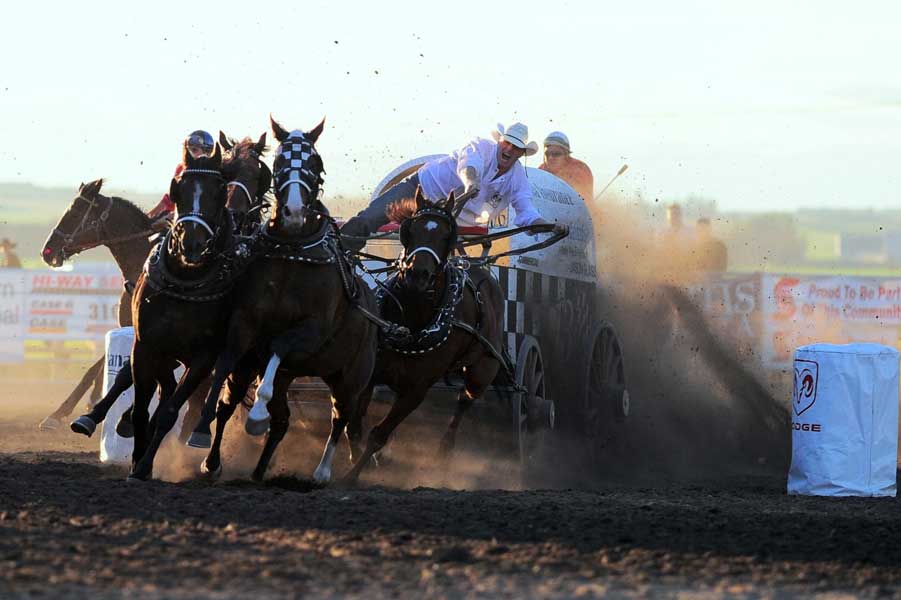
[
  {"x": 533, "y": 412},
  {"x": 607, "y": 398}
]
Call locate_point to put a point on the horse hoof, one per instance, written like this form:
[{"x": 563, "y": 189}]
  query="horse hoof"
[
  {"x": 49, "y": 424},
  {"x": 134, "y": 478},
  {"x": 200, "y": 440},
  {"x": 214, "y": 474},
  {"x": 257, "y": 427},
  {"x": 322, "y": 475},
  {"x": 84, "y": 425}
]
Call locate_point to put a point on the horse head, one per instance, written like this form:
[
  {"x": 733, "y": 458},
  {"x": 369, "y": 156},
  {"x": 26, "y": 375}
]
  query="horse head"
[
  {"x": 249, "y": 178},
  {"x": 199, "y": 197},
  {"x": 298, "y": 172},
  {"x": 428, "y": 233},
  {"x": 81, "y": 226}
]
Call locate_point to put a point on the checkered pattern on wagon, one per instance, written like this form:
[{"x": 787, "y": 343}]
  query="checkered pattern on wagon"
[{"x": 526, "y": 294}]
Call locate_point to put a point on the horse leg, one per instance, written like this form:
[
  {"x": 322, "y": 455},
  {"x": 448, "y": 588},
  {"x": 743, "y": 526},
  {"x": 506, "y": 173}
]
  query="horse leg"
[
  {"x": 240, "y": 335},
  {"x": 449, "y": 439},
  {"x": 166, "y": 385},
  {"x": 96, "y": 388},
  {"x": 280, "y": 420},
  {"x": 195, "y": 408},
  {"x": 477, "y": 377},
  {"x": 144, "y": 368},
  {"x": 300, "y": 342},
  {"x": 167, "y": 413},
  {"x": 235, "y": 389},
  {"x": 355, "y": 424},
  {"x": 406, "y": 403},
  {"x": 86, "y": 424},
  {"x": 53, "y": 421},
  {"x": 345, "y": 391}
]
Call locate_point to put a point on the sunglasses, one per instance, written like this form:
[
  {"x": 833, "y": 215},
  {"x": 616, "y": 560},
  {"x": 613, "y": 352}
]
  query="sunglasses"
[{"x": 554, "y": 153}]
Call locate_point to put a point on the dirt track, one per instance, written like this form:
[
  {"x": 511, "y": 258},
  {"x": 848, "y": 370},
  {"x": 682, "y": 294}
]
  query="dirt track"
[{"x": 69, "y": 527}]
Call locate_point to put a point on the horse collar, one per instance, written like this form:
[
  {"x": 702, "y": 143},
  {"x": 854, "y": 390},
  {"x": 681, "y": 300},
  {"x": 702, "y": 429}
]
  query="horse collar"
[{"x": 438, "y": 331}]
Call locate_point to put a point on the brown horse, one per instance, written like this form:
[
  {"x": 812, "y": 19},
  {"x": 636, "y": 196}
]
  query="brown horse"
[
  {"x": 296, "y": 312},
  {"x": 454, "y": 313},
  {"x": 92, "y": 220},
  {"x": 182, "y": 301},
  {"x": 248, "y": 181}
]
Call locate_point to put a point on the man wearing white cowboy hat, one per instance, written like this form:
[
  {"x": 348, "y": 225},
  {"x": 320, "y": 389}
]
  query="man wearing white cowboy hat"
[{"x": 491, "y": 168}]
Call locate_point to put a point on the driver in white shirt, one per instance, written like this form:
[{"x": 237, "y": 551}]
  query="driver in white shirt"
[{"x": 491, "y": 168}]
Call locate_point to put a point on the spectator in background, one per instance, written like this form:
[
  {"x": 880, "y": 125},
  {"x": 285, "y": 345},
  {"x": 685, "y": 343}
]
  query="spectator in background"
[
  {"x": 559, "y": 161},
  {"x": 677, "y": 244},
  {"x": 711, "y": 253},
  {"x": 8, "y": 258}
]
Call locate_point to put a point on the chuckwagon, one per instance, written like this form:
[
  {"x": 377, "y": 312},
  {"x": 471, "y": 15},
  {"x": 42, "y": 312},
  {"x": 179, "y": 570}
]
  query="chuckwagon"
[{"x": 569, "y": 370}]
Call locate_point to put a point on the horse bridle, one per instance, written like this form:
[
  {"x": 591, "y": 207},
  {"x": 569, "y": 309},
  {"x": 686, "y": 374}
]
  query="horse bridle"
[
  {"x": 406, "y": 258},
  {"x": 96, "y": 225},
  {"x": 196, "y": 217},
  {"x": 254, "y": 206},
  {"x": 297, "y": 152}
]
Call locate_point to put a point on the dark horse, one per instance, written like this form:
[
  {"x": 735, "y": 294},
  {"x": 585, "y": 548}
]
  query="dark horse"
[
  {"x": 248, "y": 181},
  {"x": 295, "y": 313},
  {"x": 96, "y": 220},
  {"x": 182, "y": 300},
  {"x": 454, "y": 314}
]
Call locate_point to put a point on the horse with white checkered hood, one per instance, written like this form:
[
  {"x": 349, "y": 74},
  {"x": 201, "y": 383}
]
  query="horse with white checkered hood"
[
  {"x": 296, "y": 314},
  {"x": 453, "y": 311}
]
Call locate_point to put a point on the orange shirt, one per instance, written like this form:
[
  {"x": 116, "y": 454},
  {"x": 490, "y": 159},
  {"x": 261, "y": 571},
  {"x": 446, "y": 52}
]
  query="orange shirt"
[{"x": 575, "y": 173}]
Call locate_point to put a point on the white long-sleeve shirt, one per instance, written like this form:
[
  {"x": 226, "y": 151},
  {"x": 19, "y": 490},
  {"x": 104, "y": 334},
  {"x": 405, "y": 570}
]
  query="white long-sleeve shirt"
[{"x": 439, "y": 177}]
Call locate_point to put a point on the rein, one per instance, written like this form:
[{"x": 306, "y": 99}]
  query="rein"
[
  {"x": 69, "y": 249},
  {"x": 243, "y": 187},
  {"x": 97, "y": 223}
]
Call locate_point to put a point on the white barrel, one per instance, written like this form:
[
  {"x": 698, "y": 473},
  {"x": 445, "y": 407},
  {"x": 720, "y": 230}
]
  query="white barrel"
[
  {"x": 844, "y": 420},
  {"x": 115, "y": 449}
]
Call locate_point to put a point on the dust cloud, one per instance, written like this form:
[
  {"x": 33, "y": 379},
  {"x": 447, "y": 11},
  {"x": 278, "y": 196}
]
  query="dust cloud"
[{"x": 703, "y": 404}]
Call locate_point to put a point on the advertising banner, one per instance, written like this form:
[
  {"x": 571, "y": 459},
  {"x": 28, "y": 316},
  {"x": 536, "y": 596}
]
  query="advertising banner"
[
  {"x": 72, "y": 305},
  {"x": 12, "y": 315},
  {"x": 803, "y": 309}
]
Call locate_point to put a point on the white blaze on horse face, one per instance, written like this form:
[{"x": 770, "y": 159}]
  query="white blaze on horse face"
[
  {"x": 431, "y": 225},
  {"x": 195, "y": 202},
  {"x": 294, "y": 204}
]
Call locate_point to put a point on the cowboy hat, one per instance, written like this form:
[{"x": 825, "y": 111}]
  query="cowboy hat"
[{"x": 518, "y": 135}]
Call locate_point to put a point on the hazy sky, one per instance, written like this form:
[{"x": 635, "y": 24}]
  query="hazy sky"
[{"x": 761, "y": 106}]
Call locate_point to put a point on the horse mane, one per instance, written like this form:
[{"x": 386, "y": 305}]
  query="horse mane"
[
  {"x": 243, "y": 148},
  {"x": 241, "y": 152},
  {"x": 400, "y": 210},
  {"x": 131, "y": 206}
]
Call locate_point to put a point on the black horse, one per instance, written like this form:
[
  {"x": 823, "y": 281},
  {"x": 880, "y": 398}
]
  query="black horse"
[
  {"x": 454, "y": 314},
  {"x": 92, "y": 220},
  {"x": 182, "y": 300},
  {"x": 248, "y": 181},
  {"x": 296, "y": 313}
]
